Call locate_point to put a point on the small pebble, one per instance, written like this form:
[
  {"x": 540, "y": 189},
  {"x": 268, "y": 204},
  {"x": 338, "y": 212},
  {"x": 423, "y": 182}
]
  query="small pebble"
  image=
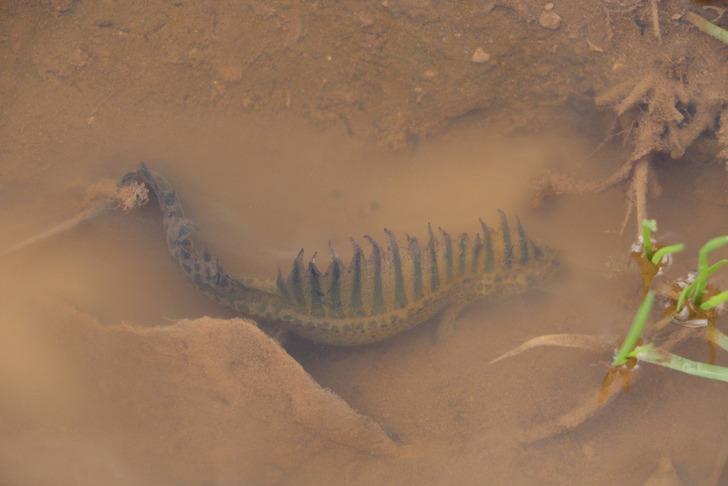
[
  {"x": 549, "y": 20},
  {"x": 79, "y": 58},
  {"x": 676, "y": 16},
  {"x": 548, "y": 6},
  {"x": 63, "y": 5},
  {"x": 429, "y": 74},
  {"x": 230, "y": 73},
  {"x": 366, "y": 19},
  {"x": 480, "y": 56}
]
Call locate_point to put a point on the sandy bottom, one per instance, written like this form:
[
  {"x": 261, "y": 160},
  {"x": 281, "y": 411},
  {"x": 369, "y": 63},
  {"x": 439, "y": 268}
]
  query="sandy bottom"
[{"x": 110, "y": 373}]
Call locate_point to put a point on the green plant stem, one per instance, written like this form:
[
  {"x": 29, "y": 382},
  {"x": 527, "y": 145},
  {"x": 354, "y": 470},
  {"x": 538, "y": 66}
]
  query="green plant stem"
[
  {"x": 714, "y": 301},
  {"x": 702, "y": 279},
  {"x": 687, "y": 291},
  {"x": 716, "y": 266},
  {"x": 635, "y": 330},
  {"x": 684, "y": 295},
  {"x": 666, "y": 250},
  {"x": 649, "y": 354},
  {"x": 648, "y": 227},
  {"x": 707, "y": 27}
]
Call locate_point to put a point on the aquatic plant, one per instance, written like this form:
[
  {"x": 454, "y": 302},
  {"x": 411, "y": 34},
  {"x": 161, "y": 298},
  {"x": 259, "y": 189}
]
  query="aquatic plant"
[
  {"x": 649, "y": 255},
  {"x": 649, "y": 226},
  {"x": 652, "y": 252},
  {"x": 649, "y": 353},
  {"x": 701, "y": 300},
  {"x": 635, "y": 331},
  {"x": 694, "y": 289}
]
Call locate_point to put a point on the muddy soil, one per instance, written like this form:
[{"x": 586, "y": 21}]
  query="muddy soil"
[{"x": 286, "y": 124}]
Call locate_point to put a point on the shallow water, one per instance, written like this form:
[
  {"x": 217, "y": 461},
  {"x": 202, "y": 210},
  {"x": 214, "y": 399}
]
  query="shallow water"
[
  {"x": 275, "y": 121},
  {"x": 258, "y": 194}
]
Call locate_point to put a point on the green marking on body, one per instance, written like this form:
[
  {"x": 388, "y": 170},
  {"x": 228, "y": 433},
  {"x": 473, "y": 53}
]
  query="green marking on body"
[
  {"x": 462, "y": 254},
  {"x": 488, "y": 243},
  {"x": 317, "y": 304},
  {"x": 522, "y": 243},
  {"x": 414, "y": 250},
  {"x": 477, "y": 247},
  {"x": 297, "y": 280},
  {"x": 334, "y": 294},
  {"x": 448, "y": 254},
  {"x": 507, "y": 244},
  {"x": 356, "y": 306},
  {"x": 400, "y": 296},
  {"x": 377, "y": 292},
  {"x": 434, "y": 273}
]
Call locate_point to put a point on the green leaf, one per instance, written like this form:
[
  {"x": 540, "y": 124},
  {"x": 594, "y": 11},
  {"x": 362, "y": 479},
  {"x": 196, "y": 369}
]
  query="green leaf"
[
  {"x": 685, "y": 294},
  {"x": 640, "y": 319},
  {"x": 666, "y": 250},
  {"x": 714, "y": 301},
  {"x": 703, "y": 269},
  {"x": 649, "y": 354}
]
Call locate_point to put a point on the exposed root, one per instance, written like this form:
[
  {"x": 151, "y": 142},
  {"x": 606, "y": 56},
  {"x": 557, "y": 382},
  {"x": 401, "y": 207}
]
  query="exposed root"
[
  {"x": 723, "y": 137},
  {"x": 638, "y": 190},
  {"x": 657, "y": 113},
  {"x": 641, "y": 182},
  {"x": 596, "y": 400},
  {"x": 554, "y": 184},
  {"x": 661, "y": 111},
  {"x": 579, "y": 341},
  {"x": 655, "y": 18},
  {"x": 719, "y": 12}
]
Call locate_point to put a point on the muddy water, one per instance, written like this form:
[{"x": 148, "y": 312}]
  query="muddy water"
[{"x": 258, "y": 194}]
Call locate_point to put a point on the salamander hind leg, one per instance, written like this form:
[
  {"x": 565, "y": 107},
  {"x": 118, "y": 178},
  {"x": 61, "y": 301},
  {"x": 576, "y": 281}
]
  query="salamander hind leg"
[{"x": 447, "y": 323}]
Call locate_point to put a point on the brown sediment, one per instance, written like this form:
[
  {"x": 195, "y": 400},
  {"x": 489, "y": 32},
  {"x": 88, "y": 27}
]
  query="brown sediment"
[
  {"x": 660, "y": 111},
  {"x": 285, "y": 111},
  {"x": 596, "y": 400}
]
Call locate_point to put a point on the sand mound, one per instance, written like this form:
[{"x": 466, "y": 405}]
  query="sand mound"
[{"x": 203, "y": 401}]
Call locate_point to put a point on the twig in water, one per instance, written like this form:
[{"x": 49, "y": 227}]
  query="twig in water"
[
  {"x": 655, "y": 21},
  {"x": 125, "y": 198}
]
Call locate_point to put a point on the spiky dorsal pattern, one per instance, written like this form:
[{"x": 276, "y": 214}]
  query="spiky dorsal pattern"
[{"x": 391, "y": 279}]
